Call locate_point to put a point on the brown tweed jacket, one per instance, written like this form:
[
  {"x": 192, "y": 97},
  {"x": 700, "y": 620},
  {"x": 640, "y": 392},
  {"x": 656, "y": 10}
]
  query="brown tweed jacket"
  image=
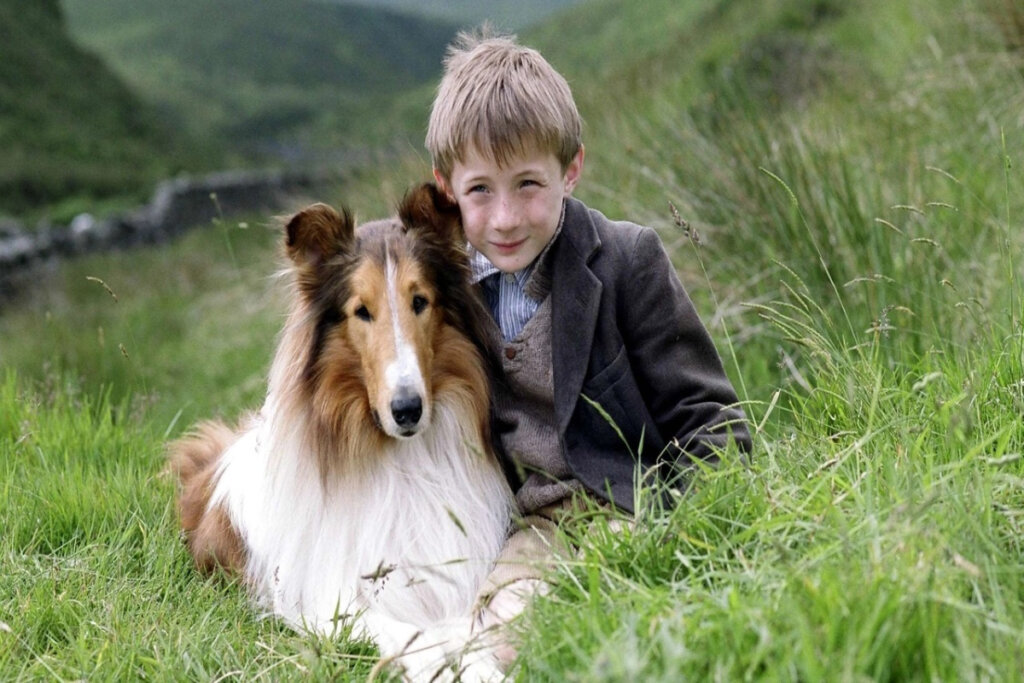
[{"x": 625, "y": 335}]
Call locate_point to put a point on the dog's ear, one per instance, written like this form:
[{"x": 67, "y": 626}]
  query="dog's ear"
[
  {"x": 318, "y": 232},
  {"x": 425, "y": 207}
]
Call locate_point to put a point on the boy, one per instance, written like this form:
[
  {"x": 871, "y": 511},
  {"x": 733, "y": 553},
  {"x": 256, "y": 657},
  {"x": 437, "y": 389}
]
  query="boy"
[{"x": 588, "y": 312}]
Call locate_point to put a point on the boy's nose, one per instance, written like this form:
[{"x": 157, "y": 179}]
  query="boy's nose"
[{"x": 505, "y": 216}]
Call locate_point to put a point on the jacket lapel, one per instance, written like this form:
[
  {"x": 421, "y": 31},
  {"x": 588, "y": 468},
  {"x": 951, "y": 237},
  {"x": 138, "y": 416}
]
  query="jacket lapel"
[{"x": 575, "y": 301}]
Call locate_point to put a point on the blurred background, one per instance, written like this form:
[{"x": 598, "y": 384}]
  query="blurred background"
[{"x": 103, "y": 99}]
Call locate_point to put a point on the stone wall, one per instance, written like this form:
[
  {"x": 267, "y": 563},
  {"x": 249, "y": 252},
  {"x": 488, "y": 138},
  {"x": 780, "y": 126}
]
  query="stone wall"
[{"x": 176, "y": 206}]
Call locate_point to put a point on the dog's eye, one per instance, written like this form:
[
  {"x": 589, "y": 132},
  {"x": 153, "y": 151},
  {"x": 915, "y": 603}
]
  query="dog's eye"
[
  {"x": 363, "y": 314},
  {"x": 419, "y": 303}
]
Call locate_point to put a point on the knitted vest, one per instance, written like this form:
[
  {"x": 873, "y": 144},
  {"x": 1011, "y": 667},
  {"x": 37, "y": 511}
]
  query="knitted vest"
[{"x": 524, "y": 406}]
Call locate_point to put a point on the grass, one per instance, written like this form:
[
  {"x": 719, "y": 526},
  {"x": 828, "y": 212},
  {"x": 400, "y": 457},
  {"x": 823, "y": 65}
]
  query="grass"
[
  {"x": 859, "y": 267},
  {"x": 134, "y": 322},
  {"x": 473, "y": 13}
]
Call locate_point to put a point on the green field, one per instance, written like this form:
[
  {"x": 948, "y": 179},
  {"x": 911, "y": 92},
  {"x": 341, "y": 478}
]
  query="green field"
[
  {"x": 840, "y": 186},
  {"x": 509, "y": 16}
]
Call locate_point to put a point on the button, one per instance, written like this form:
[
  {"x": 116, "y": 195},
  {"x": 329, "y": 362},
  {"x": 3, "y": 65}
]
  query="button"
[
  {"x": 510, "y": 278},
  {"x": 510, "y": 352}
]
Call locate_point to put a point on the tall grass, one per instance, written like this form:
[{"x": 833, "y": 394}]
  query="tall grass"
[
  {"x": 175, "y": 332},
  {"x": 876, "y": 203}
]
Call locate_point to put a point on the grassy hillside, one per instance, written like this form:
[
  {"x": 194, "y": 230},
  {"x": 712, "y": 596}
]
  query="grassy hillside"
[
  {"x": 840, "y": 186},
  {"x": 829, "y": 134},
  {"x": 69, "y": 129},
  {"x": 507, "y": 15},
  {"x": 292, "y": 79},
  {"x": 707, "y": 62}
]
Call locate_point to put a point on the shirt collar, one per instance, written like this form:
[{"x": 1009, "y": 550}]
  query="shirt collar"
[{"x": 480, "y": 268}]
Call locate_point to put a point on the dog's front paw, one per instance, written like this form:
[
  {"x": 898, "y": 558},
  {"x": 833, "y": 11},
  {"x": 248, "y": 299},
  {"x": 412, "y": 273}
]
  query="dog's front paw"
[
  {"x": 479, "y": 665},
  {"x": 449, "y": 652},
  {"x": 466, "y": 669}
]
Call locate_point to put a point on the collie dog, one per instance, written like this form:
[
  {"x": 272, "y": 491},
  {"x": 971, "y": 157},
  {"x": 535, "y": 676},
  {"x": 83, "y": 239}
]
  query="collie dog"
[{"x": 366, "y": 487}]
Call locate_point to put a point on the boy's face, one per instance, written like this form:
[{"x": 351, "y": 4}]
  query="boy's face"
[{"x": 511, "y": 212}]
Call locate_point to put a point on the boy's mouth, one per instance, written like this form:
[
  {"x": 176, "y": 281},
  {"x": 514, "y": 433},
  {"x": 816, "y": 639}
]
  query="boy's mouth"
[{"x": 507, "y": 247}]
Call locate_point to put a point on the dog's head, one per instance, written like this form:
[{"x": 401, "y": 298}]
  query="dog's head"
[{"x": 380, "y": 300}]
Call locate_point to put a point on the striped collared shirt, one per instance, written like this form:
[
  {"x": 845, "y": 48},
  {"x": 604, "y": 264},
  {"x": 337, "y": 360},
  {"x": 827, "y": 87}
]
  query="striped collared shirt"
[{"x": 506, "y": 293}]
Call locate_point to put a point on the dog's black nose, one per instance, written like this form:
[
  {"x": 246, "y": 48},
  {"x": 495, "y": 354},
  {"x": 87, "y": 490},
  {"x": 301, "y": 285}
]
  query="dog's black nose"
[{"x": 407, "y": 410}]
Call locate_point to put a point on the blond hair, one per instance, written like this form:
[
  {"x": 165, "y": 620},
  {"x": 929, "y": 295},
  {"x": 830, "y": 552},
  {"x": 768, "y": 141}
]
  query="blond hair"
[{"x": 503, "y": 99}]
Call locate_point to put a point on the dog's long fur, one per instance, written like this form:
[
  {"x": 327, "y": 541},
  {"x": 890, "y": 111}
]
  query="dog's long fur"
[{"x": 366, "y": 484}]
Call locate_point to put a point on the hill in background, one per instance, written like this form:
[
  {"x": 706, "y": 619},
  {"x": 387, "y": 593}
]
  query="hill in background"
[
  {"x": 154, "y": 88},
  {"x": 70, "y": 130},
  {"x": 278, "y": 79},
  {"x": 505, "y": 15}
]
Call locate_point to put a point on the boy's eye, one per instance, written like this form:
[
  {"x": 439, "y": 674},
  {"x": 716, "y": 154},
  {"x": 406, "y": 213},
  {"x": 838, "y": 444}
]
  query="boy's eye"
[{"x": 478, "y": 188}]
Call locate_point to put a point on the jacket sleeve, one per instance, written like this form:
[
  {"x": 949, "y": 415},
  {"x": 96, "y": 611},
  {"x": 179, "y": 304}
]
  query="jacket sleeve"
[{"x": 675, "y": 363}]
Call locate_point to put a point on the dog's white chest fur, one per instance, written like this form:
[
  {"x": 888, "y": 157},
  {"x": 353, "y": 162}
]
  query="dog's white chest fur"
[{"x": 410, "y": 536}]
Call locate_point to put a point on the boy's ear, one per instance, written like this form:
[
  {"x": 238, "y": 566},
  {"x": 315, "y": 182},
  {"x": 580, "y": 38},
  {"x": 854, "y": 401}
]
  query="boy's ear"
[
  {"x": 574, "y": 171},
  {"x": 427, "y": 207},
  {"x": 317, "y": 233},
  {"x": 443, "y": 184}
]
